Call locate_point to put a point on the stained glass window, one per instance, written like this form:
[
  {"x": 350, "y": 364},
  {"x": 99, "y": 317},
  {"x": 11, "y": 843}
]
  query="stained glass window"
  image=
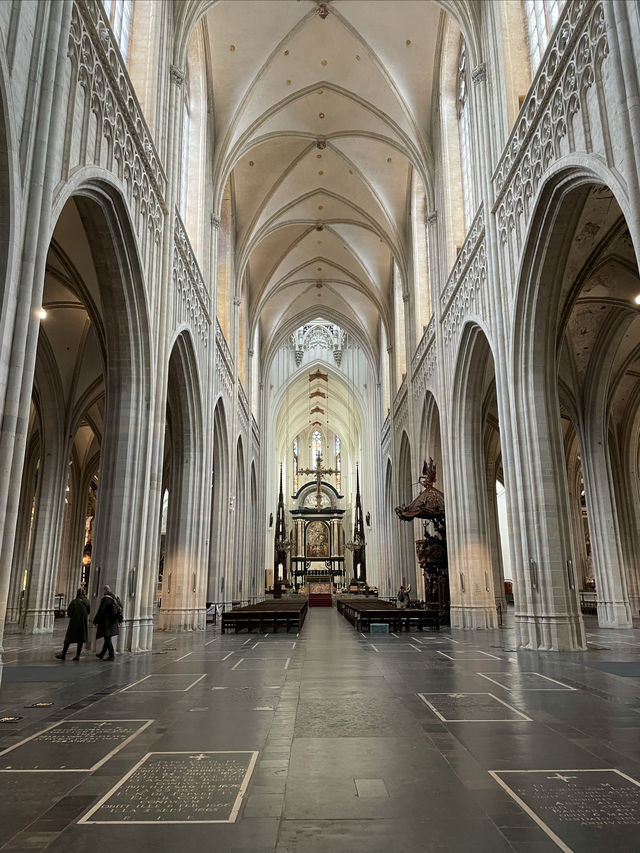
[
  {"x": 316, "y": 447},
  {"x": 295, "y": 464}
]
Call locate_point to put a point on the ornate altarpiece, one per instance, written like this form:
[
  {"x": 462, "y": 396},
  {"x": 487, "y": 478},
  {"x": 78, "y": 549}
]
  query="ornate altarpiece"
[{"x": 318, "y": 535}]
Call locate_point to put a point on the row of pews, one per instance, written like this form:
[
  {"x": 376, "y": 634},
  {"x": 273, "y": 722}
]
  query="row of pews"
[
  {"x": 267, "y": 615},
  {"x": 365, "y": 612}
]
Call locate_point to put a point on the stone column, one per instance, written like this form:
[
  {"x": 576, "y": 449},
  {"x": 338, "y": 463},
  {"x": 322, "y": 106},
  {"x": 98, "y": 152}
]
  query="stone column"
[
  {"x": 22, "y": 547},
  {"x": 577, "y": 524},
  {"x": 495, "y": 544},
  {"x": 608, "y": 560},
  {"x": 470, "y": 568},
  {"x": 38, "y": 611},
  {"x": 179, "y": 610},
  {"x": 141, "y": 582},
  {"x": 17, "y": 381}
]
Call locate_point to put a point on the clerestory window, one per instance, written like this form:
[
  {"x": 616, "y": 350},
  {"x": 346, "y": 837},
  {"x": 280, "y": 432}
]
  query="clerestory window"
[
  {"x": 119, "y": 13},
  {"x": 464, "y": 131},
  {"x": 541, "y": 18}
]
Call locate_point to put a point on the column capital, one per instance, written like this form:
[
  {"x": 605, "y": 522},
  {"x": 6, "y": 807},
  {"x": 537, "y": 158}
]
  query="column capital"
[{"x": 215, "y": 222}]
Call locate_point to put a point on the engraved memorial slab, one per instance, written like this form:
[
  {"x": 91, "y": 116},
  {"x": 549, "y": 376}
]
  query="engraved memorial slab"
[
  {"x": 178, "y": 787},
  {"x": 466, "y": 654},
  {"x": 472, "y": 708},
  {"x": 70, "y": 746},
  {"x": 263, "y": 663},
  {"x": 407, "y": 650},
  {"x": 203, "y": 657},
  {"x": 524, "y": 681},
  {"x": 166, "y": 683},
  {"x": 581, "y": 810}
]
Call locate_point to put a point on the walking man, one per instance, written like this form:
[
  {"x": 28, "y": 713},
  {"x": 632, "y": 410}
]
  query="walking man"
[
  {"x": 108, "y": 620},
  {"x": 78, "y": 627}
]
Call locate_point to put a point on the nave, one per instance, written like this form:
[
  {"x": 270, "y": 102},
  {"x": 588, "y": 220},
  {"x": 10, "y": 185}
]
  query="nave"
[{"x": 329, "y": 740}]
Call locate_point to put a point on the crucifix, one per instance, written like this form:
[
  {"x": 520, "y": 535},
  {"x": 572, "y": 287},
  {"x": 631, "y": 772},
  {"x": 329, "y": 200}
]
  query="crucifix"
[{"x": 318, "y": 473}]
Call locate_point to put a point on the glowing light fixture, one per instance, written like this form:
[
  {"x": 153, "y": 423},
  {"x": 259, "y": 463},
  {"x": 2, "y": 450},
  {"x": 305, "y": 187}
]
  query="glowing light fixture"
[
  {"x": 42, "y": 314},
  {"x": 637, "y": 300}
]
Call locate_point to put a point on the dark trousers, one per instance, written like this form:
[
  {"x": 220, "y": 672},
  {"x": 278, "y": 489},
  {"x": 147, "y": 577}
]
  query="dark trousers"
[
  {"x": 65, "y": 648},
  {"x": 107, "y": 648}
]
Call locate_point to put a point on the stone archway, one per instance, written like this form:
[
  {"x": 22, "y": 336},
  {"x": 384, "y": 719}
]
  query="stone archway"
[
  {"x": 219, "y": 570},
  {"x": 91, "y": 385},
  {"x": 405, "y": 531},
  {"x": 182, "y": 586},
  {"x": 469, "y": 535},
  {"x": 577, "y": 325}
]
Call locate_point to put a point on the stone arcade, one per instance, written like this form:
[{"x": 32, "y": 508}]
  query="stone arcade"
[{"x": 239, "y": 236}]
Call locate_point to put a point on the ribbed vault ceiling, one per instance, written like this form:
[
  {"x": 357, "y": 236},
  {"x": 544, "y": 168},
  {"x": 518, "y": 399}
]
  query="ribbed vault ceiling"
[{"x": 318, "y": 124}]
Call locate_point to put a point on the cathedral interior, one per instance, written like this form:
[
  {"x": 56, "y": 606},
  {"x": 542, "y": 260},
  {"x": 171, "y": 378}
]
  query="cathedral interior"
[{"x": 320, "y": 353}]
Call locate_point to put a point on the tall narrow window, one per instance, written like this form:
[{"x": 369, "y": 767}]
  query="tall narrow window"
[
  {"x": 295, "y": 464},
  {"x": 186, "y": 127},
  {"x": 119, "y": 13},
  {"x": 338, "y": 465},
  {"x": 464, "y": 132},
  {"x": 541, "y": 17},
  {"x": 316, "y": 447}
]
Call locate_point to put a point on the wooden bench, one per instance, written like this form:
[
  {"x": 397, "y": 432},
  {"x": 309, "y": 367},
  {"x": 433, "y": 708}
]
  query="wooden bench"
[
  {"x": 267, "y": 616},
  {"x": 362, "y": 612}
]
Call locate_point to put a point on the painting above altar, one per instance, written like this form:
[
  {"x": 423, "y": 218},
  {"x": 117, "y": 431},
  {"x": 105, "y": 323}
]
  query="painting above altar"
[{"x": 317, "y": 541}]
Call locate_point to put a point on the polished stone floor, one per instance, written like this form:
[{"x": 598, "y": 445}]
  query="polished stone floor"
[{"x": 327, "y": 741}]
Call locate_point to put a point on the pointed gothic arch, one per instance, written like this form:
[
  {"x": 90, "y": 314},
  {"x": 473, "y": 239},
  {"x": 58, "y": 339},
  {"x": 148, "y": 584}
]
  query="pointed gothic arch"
[
  {"x": 471, "y": 570},
  {"x": 239, "y": 569},
  {"x": 404, "y": 529},
  {"x": 549, "y": 305},
  {"x": 219, "y": 580},
  {"x": 183, "y": 586}
]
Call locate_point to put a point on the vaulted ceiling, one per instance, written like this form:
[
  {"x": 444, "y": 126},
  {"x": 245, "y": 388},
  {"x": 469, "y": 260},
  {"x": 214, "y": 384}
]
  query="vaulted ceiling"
[{"x": 319, "y": 122}]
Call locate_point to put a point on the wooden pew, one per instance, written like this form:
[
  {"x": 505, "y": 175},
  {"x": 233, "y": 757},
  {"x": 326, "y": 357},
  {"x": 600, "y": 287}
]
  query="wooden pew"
[
  {"x": 362, "y": 612},
  {"x": 267, "y": 615}
]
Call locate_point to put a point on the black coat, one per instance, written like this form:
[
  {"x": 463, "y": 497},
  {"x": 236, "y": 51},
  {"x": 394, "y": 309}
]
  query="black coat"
[
  {"x": 104, "y": 618},
  {"x": 78, "y": 613}
]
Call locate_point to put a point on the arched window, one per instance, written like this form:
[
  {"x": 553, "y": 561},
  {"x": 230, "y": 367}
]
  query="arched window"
[
  {"x": 295, "y": 464},
  {"x": 464, "y": 132},
  {"x": 541, "y": 17},
  {"x": 119, "y": 13},
  {"x": 338, "y": 465},
  {"x": 316, "y": 447},
  {"x": 422, "y": 301}
]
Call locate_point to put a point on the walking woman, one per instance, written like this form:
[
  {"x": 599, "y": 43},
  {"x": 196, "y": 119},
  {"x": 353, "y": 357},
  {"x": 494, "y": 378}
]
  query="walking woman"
[{"x": 78, "y": 628}]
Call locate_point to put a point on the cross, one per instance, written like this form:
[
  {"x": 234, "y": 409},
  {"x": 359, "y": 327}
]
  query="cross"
[
  {"x": 561, "y": 777},
  {"x": 198, "y": 757},
  {"x": 318, "y": 472}
]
